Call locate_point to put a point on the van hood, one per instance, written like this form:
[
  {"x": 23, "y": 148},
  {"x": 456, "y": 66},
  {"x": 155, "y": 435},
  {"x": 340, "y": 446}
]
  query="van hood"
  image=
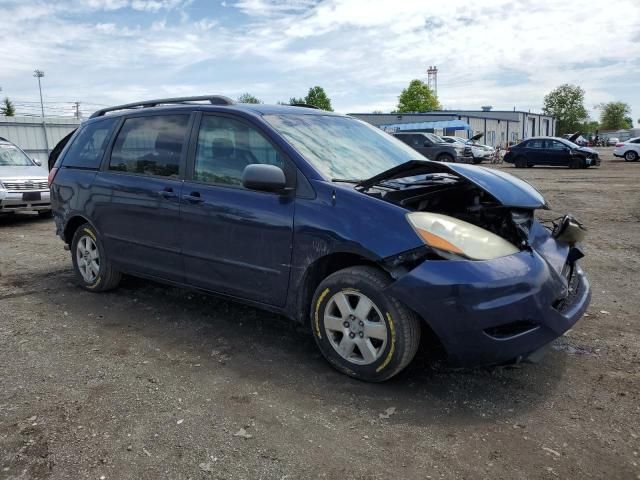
[{"x": 507, "y": 189}]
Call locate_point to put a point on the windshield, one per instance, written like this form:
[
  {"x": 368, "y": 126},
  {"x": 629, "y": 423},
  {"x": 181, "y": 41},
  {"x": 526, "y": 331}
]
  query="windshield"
[
  {"x": 342, "y": 147},
  {"x": 434, "y": 138},
  {"x": 12, "y": 156},
  {"x": 568, "y": 143}
]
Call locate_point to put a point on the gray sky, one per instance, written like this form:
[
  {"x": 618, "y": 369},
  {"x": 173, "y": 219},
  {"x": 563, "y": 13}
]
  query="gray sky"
[{"x": 505, "y": 53}]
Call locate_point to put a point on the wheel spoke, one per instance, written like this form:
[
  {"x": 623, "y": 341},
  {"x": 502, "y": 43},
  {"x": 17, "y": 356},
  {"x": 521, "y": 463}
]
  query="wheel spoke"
[
  {"x": 345, "y": 347},
  {"x": 93, "y": 255},
  {"x": 367, "y": 350},
  {"x": 342, "y": 303},
  {"x": 376, "y": 330},
  {"x": 363, "y": 308},
  {"x": 94, "y": 267},
  {"x": 332, "y": 323}
]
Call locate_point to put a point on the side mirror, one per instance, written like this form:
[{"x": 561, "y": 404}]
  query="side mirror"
[
  {"x": 263, "y": 177},
  {"x": 37, "y": 162},
  {"x": 427, "y": 143}
]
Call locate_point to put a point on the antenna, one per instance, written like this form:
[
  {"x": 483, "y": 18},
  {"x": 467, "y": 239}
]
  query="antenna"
[{"x": 432, "y": 79}]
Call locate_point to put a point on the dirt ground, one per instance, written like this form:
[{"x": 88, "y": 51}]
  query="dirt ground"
[{"x": 151, "y": 382}]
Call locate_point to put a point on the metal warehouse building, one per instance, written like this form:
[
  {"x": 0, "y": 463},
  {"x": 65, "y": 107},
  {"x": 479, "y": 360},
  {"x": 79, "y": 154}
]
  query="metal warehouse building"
[
  {"x": 498, "y": 127},
  {"x": 35, "y": 137}
]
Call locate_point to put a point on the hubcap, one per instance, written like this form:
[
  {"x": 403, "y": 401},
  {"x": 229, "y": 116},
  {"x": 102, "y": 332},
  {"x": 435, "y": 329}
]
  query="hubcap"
[
  {"x": 88, "y": 259},
  {"x": 630, "y": 155},
  {"x": 355, "y": 327}
]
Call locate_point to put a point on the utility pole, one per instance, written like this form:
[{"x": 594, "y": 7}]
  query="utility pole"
[
  {"x": 77, "y": 104},
  {"x": 39, "y": 74},
  {"x": 432, "y": 79}
]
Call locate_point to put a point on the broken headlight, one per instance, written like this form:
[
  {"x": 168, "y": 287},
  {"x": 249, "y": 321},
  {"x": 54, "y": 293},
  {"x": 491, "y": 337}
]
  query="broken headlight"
[
  {"x": 569, "y": 230},
  {"x": 453, "y": 236}
]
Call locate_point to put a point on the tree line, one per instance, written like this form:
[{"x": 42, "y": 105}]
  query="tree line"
[{"x": 566, "y": 103}]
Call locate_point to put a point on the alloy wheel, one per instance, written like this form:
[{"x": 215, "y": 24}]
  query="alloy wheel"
[
  {"x": 88, "y": 258},
  {"x": 355, "y": 327}
]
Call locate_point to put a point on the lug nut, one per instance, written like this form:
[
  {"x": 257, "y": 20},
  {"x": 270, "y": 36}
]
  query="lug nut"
[
  {"x": 352, "y": 335},
  {"x": 361, "y": 334},
  {"x": 361, "y": 323},
  {"x": 345, "y": 324}
]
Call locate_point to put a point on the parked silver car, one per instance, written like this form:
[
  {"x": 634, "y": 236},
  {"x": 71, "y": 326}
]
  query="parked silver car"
[{"x": 23, "y": 182}]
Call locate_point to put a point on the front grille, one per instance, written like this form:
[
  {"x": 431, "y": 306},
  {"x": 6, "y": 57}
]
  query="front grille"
[{"x": 26, "y": 185}]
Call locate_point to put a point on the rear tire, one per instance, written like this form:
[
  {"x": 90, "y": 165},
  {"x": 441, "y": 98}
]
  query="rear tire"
[
  {"x": 445, "y": 157},
  {"x": 362, "y": 331},
  {"x": 630, "y": 156},
  {"x": 92, "y": 267}
]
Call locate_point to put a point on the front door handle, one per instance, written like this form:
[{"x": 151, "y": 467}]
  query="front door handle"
[
  {"x": 193, "y": 197},
  {"x": 167, "y": 192}
]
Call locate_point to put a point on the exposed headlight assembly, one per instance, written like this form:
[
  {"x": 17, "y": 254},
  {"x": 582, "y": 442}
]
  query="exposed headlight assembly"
[
  {"x": 569, "y": 230},
  {"x": 452, "y": 236}
]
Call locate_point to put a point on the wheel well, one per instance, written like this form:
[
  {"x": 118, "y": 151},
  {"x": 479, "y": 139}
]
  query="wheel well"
[
  {"x": 321, "y": 269},
  {"x": 72, "y": 226}
]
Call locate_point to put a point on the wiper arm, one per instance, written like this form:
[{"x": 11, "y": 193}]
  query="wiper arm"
[{"x": 345, "y": 180}]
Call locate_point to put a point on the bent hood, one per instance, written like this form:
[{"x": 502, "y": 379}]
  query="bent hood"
[{"x": 507, "y": 189}]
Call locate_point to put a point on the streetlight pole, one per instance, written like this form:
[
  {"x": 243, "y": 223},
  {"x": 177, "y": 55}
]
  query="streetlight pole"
[{"x": 39, "y": 74}]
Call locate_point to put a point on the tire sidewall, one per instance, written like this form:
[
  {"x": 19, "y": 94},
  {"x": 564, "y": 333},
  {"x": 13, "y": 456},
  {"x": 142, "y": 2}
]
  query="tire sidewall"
[
  {"x": 88, "y": 230},
  {"x": 392, "y": 354},
  {"x": 633, "y": 156}
]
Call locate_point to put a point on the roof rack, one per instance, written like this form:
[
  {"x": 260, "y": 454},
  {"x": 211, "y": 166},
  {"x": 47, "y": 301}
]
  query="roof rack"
[
  {"x": 212, "y": 99},
  {"x": 305, "y": 105}
]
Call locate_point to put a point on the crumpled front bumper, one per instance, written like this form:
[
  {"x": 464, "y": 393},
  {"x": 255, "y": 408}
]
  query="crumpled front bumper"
[{"x": 496, "y": 311}]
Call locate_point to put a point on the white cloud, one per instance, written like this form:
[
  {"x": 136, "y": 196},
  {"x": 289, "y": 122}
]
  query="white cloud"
[{"x": 501, "y": 52}]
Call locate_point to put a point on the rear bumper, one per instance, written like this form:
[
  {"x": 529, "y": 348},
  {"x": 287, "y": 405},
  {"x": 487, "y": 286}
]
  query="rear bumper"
[
  {"x": 14, "y": 201},
  {"x": 496, "y": 311}
]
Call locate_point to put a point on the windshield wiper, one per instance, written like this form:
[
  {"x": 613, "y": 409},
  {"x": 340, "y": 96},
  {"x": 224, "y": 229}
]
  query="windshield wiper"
[{"x": 345, "y": 180}]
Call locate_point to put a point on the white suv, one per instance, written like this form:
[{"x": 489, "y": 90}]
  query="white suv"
[{"x": 629, "y": 150}]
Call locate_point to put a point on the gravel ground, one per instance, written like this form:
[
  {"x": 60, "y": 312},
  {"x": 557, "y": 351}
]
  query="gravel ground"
[{"x": 151, "y": 382}]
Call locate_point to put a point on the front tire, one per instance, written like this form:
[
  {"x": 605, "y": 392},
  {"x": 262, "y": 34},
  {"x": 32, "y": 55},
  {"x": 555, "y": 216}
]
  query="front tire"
[
  {"x": 362, "y": 331},
  {"x": 45, "y": 213},
  {"x": 93, "y": 269},
  {"x": 630, "y": 156},
  {"x": 520, "y": 162}
]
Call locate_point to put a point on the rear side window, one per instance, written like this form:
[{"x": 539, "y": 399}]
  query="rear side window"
[
  {"x": 535, "y": 144},
  {"x": 88, "y": 147},
  {"x": 150, "y": 145}
]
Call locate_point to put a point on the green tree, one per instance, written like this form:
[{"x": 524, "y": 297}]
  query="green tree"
[
  {"x": 294, "y": 100},
  {"x": 417, "y": 97},
  {"x": 7, "y": 109},
  {"x": 614, "y": 115},
  {"x": 629, "y": 121},
  {"x": 566, "y": 103},
  {"x": 377, "y": 111},
  {"x": 318, "y": 98},
  {"x": 589, "y": 126},
  {"x": 248, "y": 98}
]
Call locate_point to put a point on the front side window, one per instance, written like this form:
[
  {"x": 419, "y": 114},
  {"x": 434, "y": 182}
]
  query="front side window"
[
  {"x": 12, "y": 156},
  {"x": 150, "y": 145},
  {"x": 342, "y": 147},
  {"x": 553, "y": 145},
  {"x": 226, "y": 147},
  {"x": 535, "y": 144},
  {"x": 88, "y": 147}
]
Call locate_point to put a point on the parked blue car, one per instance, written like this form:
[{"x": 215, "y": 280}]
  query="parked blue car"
[{"x": 324, "y": 219}]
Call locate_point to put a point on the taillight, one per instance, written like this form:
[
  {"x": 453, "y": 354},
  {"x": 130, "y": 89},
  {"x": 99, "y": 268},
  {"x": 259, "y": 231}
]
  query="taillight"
[
  {"x": 619, "y": 144},
  {"x": 52, "y": 175}
]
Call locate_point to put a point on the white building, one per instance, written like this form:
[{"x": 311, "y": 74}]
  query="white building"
[
  {"x": 35, "y": 137},
  {"x": 498, "y": 127}
]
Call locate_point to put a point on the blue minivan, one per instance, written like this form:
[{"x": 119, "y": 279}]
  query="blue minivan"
[{"x": 324, "y": 219}]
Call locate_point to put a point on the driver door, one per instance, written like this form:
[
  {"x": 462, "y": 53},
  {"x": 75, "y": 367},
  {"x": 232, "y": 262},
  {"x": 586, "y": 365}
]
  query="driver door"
[{"x": 234, "y": 240}]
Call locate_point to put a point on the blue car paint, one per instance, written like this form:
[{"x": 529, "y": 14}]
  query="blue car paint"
[
  {"x": 458, "y": 299},
  {"x": 509, "y": 190}
]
